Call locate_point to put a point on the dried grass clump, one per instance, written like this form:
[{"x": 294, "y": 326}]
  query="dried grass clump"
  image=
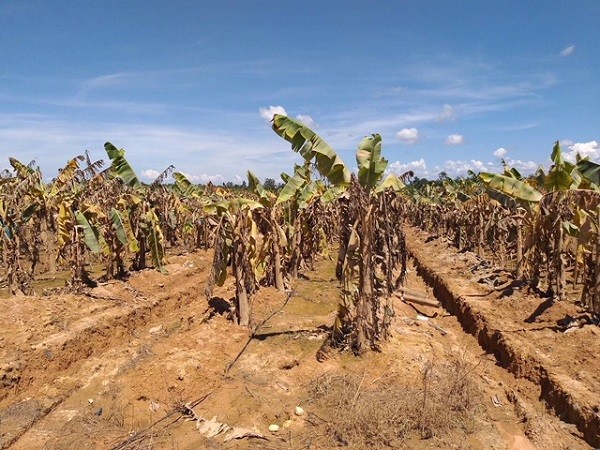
[{"x": 385, "y": 412}]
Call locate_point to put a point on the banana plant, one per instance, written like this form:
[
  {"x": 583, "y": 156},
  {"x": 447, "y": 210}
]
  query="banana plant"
[
  {"x": 275, "y": 242},
  {"x": 362, "y": 319},
  {"x": 141, "y": 210},
  {"x": 236, "y": 246},
  {"x": 553, "y": 216},
  {"x": 15, "y": 220},
  {"x": 373, "y": 254}
]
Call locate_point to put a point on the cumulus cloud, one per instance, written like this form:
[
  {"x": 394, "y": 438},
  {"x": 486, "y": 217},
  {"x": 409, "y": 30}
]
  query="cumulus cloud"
[
  {"x": 590, "y": 149},
  {"x": 525, "y": 167},
  {"x": 566, "y": 143},
  {"x": 500, "y": 152},
  {"x": 447, "y": 113},
  {"x": 567, "y": 51},
  {"x": 458, "y": 168},
  {"x": 150, "y": 174},
  {"x": 419, "y": 167},
  {"x": 408, "y": 136},
  {"x": 306, "y": 120},
  {"x": 455, "y": 139},
  {"x": 268, "y": 113}
]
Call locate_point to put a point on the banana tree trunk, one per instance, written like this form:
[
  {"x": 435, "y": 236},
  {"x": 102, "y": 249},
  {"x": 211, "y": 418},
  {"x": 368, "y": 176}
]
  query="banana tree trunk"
[
  {"x": 366, "y": 318},
  {"x": 559, "y": 263},
  {"x": 296, "y": 257},
  {"x": 481, "y": 235},
  {"x": 519, "y": 269},
  {"x": 277, "y": 266},
  {"x": 239, "y": 267}
]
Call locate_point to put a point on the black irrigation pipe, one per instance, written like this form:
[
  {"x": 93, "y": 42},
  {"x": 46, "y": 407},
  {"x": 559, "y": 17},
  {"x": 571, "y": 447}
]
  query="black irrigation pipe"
[{"x": 254, "y": 332}]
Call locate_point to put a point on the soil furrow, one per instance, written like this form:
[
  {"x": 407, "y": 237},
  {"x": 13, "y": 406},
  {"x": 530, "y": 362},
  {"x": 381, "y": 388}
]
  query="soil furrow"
[{"x": 567, "y": 404}]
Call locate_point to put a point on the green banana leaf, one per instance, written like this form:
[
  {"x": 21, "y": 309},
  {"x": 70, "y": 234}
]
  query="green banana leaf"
[
  {"x": 90, "y": 233},
  {"x": 155, "y": 239},
  {"x": 371, "y": 164},
  {"x": 256, "y": 186},
  {"x": 120, "y": 167},
  {"x": 311, "y": 146},
  {"x": 510, "y": 186},
  {"x": 123, "y": 230},
  {"x": 563, "y": 174},
  {"x": 185, "y": 187},
  {"x": 390, "y": 182},
  {"x": 294, "y": 185},
  {"x": 333, "y": 193},
  {"x": 589, "y": 170}
]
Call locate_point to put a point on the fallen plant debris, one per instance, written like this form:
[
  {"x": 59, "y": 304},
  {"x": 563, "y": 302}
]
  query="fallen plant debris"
[{"x": 212, "y": 428}]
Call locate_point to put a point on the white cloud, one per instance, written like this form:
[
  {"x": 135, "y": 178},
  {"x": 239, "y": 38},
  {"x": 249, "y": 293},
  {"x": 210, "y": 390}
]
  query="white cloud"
[
  {"x": 204, "y": 178},
  {"x": 447, "y": 113},
  {"x": 419, "y": 167},
  {"x": 268, "y": 113},
  {"x": 204, "y": 152},
  {"x": 590, "y": 149},
  {"x": 525, "y": 167},
  {"x": 306, "y": 120},
  {"x": 455, "y": 139},
  {"x": 458, "y": 168},
  {"x": 566, "y": 143},
  {"x": 500, "y": 152},
  {"x": 567, "y": 51},
  {"x": 408, "y": 136},
  {"x": 150, "y": 174}
]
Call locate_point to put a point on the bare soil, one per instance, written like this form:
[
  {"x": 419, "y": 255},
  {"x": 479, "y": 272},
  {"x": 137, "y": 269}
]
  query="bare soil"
[{"x": 115, "y": 369}]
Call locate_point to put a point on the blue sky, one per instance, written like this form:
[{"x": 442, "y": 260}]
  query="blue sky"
[{"x": 450, "y": 85}]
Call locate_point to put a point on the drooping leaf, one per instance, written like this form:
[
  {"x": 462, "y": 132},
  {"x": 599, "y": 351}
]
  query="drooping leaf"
[
  {"x": 510, "y": 186},
  {"x": 308, "y": 192},
  {"x": 558, "y": 180},
  {"x": 64, "y": 225},
  {"x": 590, "y": 170},
  {"x": 184, "y": 185},
  {"x": 390, "y": 182},
  {"x": 90, "y": 233},
  {"x": 155, "y": 239},
  {"x": 333, "y": 193},
  {"x": 66, "y": 175},
  {"x": 117, "y": 222},
  {"x": 22, "y": 170},
  {"x": 311, "y": 146}
]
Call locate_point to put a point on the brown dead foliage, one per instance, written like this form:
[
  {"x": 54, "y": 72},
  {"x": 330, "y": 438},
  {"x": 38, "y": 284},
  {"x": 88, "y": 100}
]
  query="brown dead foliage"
[{"x": 386, "y": 412}]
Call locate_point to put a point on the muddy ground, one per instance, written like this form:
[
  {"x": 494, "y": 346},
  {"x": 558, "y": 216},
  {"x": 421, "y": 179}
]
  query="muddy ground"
[{"x": 139, "y": 364}]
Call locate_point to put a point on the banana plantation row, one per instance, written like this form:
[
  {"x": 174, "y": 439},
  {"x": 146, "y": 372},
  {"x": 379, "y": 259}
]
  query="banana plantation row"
[{"x": 544, "y": 228}]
